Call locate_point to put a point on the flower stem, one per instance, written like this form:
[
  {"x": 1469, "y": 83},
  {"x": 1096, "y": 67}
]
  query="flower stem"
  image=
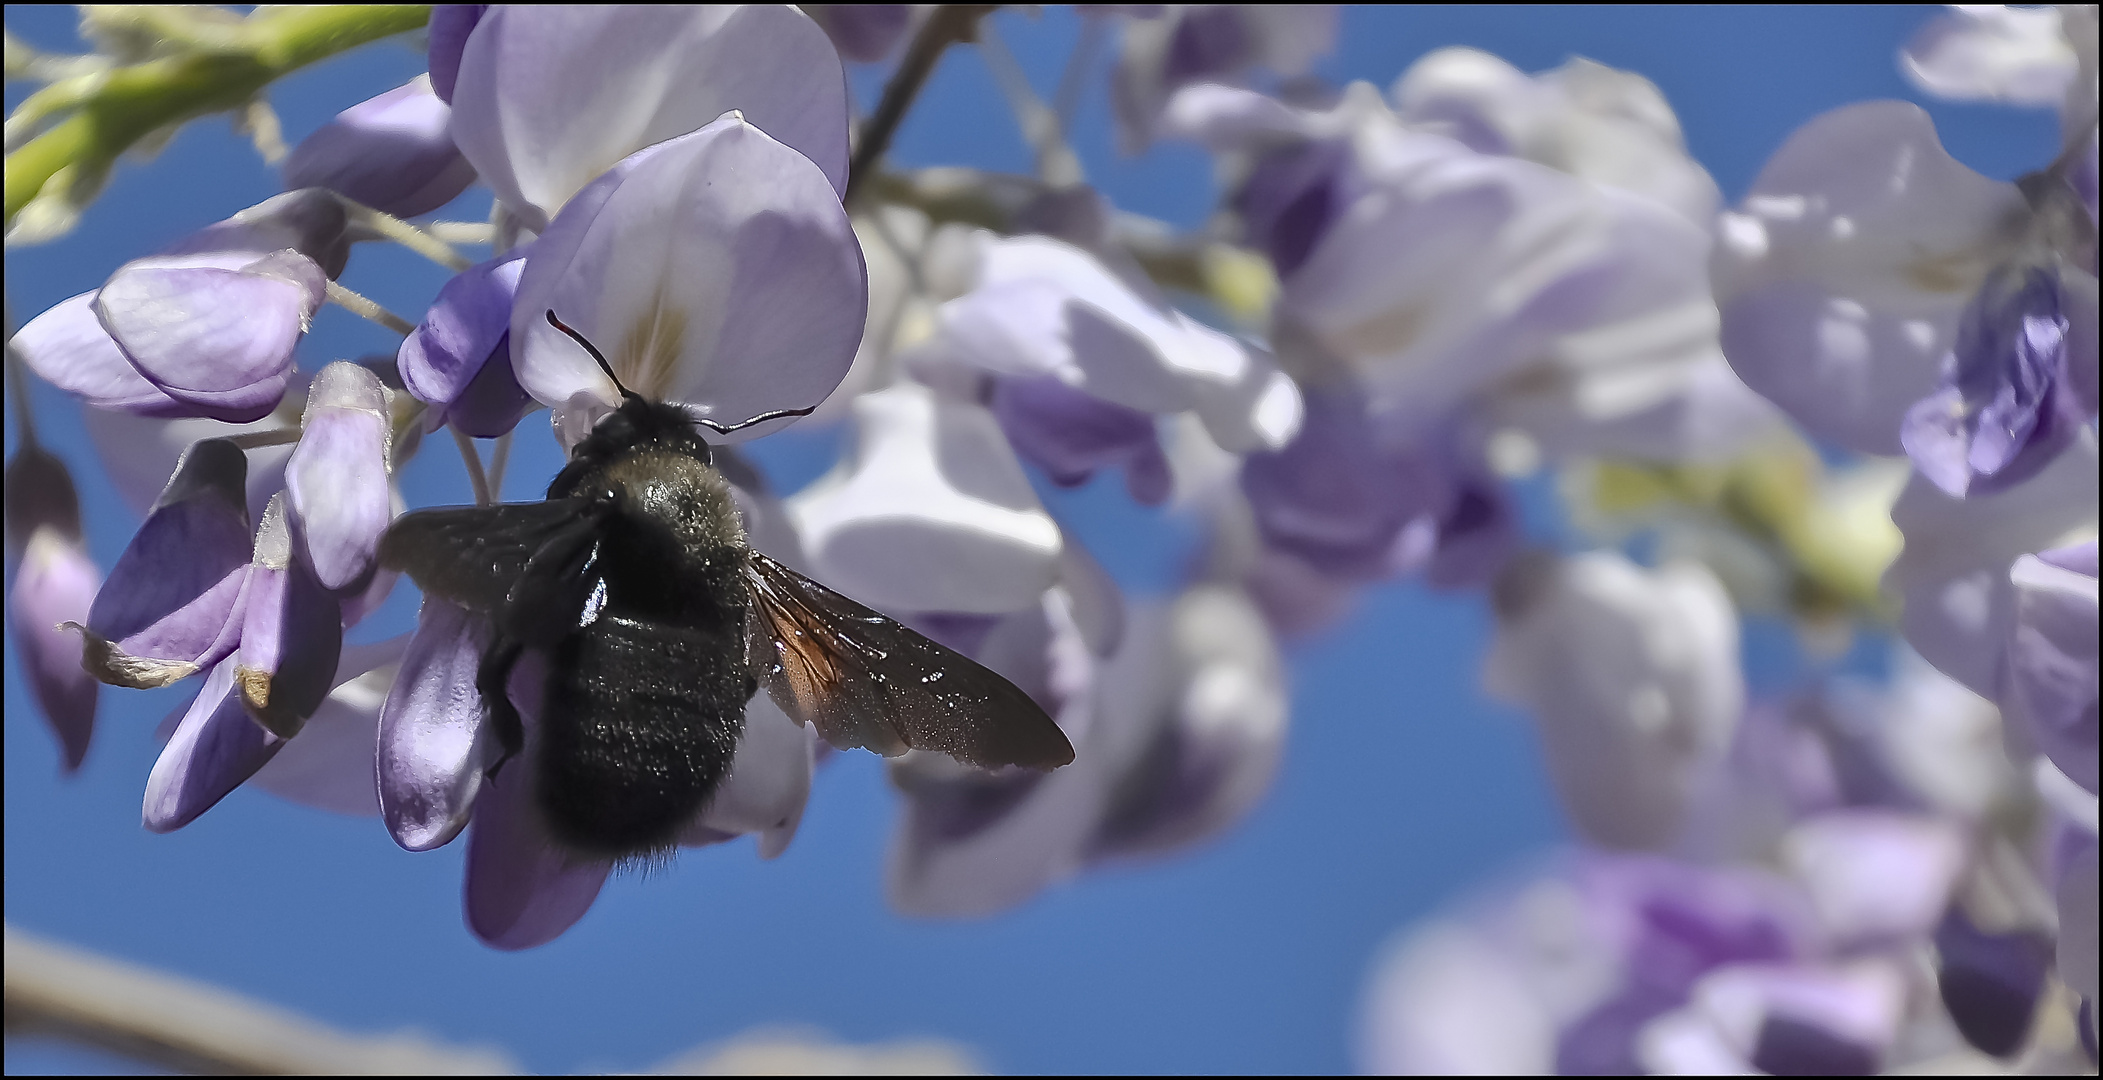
[
  {"x": 949, "y": 23},
  {"x": 254, "y": 440},
  {"x": 366, "y": 309},
  {"x": 473, "y": 460},
  {"x": 69, "y": 160},
  {"x": 1057, "y": 165},
  {"x": 499, "y": 457},
  {"x": 385, "y": 226}
]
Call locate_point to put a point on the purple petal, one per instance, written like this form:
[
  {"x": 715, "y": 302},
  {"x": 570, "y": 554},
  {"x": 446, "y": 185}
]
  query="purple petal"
[
  {"x": 462, "y": 328},
  {"x": 330, "y": 765},
  {"x": 56, "y": 584},
  {"x": 69, "y": 349},
  {"x": 336, "y": 480},
  {"x": 173, "y": 603},
  {"x": 219, "y": 340},
  {"x": 214, "y": 749},
  {"x": 1333, "y": 497},
  {"x": 862, "y": 32},
  {"x": 2050, "y": 674},
  {"x": 1477, "y": 534},
  {"x": 40, "y": 495},
  {"x": 1952, "y": 575},
  {"x": 432, "y": 750},
  {"x": 1876, "y": 875},
  {"x": 291, "y": 634},
  {"x": 1070, "y": 434},
  {"x": 548, "y": 98},
  {"x": 1990, "y": 982},
  {"x": 1841, "y": 279},
  {"x": 521, "y": 889},
  {"x": 310, "y": 221},
  {"x": 394, "y": 153},
  {"x": 717, "y": 269},
  {"x": 1290, "y": 199},
  {"x": 449, "y": 28},
  {"x": 2004, "y": 409}
]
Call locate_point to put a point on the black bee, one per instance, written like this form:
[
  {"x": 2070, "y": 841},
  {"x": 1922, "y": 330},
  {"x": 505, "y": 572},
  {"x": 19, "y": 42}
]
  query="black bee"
[{"x": 659, "y": 622}]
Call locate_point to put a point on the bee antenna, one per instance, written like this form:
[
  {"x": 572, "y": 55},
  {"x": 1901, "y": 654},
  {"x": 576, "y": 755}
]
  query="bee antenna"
[
  {"x": 595, "y": 353},
  {"x": 762, "y": 418}
]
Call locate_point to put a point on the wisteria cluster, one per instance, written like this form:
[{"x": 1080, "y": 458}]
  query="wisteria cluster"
[{"x": 1864, "y": 399}]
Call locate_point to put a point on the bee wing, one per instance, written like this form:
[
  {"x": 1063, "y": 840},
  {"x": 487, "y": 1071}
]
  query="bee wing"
[
  {"x": 476, "y": 556},
  {"x": 866, "y": 681}
]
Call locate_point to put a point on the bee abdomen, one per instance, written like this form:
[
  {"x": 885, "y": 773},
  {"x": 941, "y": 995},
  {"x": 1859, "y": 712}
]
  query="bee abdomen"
[{"x": 639, "y": 725}]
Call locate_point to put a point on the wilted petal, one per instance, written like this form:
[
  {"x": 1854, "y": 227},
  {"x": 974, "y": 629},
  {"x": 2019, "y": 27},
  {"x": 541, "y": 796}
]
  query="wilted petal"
[
  {"x": 1992, "y": 52},
  {"x": 1990, "y": 982},
  {"x": 1876, "y": 875},
  {"x": 173, "y": 603},
  {"x": 394, "y": 153},
  {"x": 291, "y": 633},
  {"x": 218, "y": 338},
  {"x": 459, "y": 357},
  {"x": 930, "y": 513},
  {"x": 1952, "y": 575},
  {"x": 2049, "y": 680},
  {"x": 433, "y": 750},
  {"x": 1633, "y": 676},
  {"x": 522, "y": 890},
  {"x": 69, "y": 349},
  {"x": 214, "y": 749},
  {"x": 2005, "y": 407},
  {"x": 55, "y": 584},
  {"x": 862, "y": 32},
  {"x": 769, "y": 779},
  {"x": 330, "y": 764},
  {"x": 336, "y": 481},
  {"x": 717, "y": 269},
  {"x": 1842, "y": 277},
  {"x": 548, "y": 98}
]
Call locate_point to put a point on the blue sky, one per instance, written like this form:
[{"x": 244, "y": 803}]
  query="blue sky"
[{"x": 1402, "y": 785}]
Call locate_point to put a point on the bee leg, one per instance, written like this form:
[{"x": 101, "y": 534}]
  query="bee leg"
[{"x": 492, "y": 681}]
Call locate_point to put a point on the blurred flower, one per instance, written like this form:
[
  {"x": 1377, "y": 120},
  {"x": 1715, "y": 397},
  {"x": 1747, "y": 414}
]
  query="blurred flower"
[
  {"x": 929, "y": 512},
  {"x": 206, "y": 328},
  {"x": 1953, "y": 575},
  {"x": 1563, "y": 972},
  {"x": 394, "y": 153},
  {"x": 2048, "y": 679},
  {"x": 54, "y": 584},
  {"x": 716, "y": 269},
  {"x": 1633, "y": 676},
  {"x": 548, "y": 98},
  {"x": 1199, "y": 43},
  {"x": 1876, "y": 876},
  {"x": 1992, "y": 52},
  {"x": 1802, "y": 1020},
  {"x": 863, "y": 32},
  {"x": 1991, "y": 983}
]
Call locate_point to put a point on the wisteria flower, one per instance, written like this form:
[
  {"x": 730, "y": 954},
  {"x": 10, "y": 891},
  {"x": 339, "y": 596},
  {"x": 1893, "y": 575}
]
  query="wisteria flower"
[
  {"x": 546, "y": 99},
  {"x": 1633, "y": 676},
  {"x": 206, "y": 328},
  {"x": 1199, "y": 43},
  {"x": 54, "y": 583},
  {"x": 2048, "y": 678},
  {"x": 1993, "y": 52},
  {"x": 394, "y": 153}
]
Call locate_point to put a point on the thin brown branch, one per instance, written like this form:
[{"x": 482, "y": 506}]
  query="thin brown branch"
[{"x": 950, "y": 23}]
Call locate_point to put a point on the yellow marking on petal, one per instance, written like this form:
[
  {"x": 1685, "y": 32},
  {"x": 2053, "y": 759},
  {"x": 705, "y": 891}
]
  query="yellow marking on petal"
[{"x": 649, "y": 353}]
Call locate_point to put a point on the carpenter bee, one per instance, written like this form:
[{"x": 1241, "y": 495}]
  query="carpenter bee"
[{"x": 659, "y": 622}]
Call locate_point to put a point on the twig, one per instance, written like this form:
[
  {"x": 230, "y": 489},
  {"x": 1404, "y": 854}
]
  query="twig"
[
  {"x": 368, "y": 310},
  {"x": 255, "y": 440},
  {"x": 949, "y": 23},
  {"x": 1056, "y": 164},
  {"x": 177, "y": 1024},
  {"x": 386, "y": 226},
  {"x": 473, "y": 460}
]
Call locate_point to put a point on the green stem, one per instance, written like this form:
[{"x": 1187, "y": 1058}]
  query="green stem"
[{"x": 138, "y": 99}]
